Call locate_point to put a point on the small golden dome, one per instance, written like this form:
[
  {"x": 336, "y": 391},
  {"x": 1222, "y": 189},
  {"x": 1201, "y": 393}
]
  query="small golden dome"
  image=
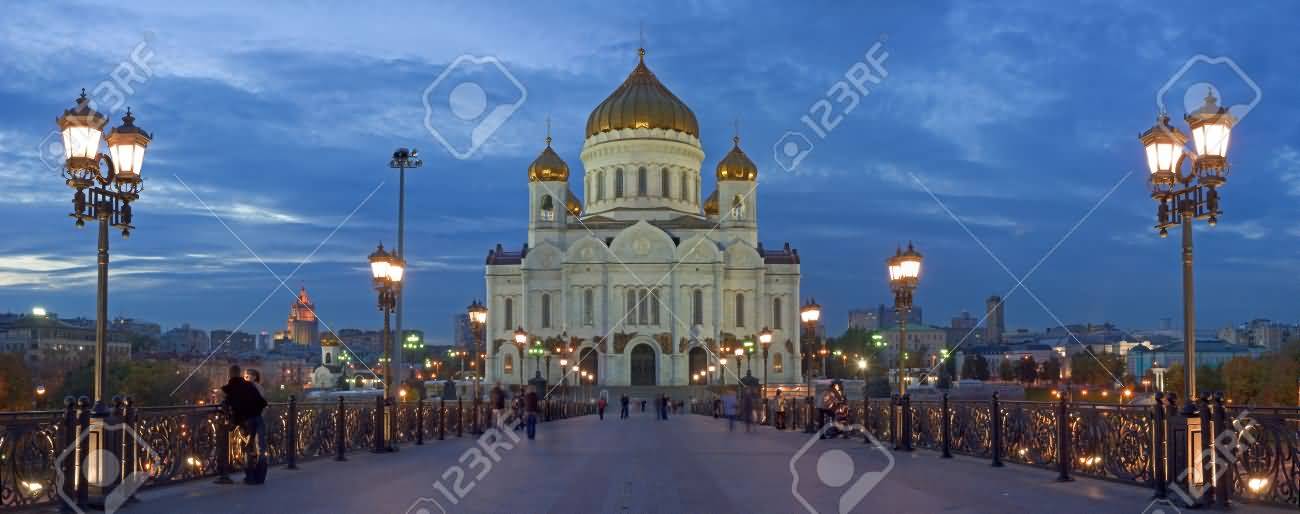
[
  {"x": 736, "y": 165},
  {"x": 711, "y": 204},
  {"x": 642, "y": 102},
  {"x": 548, "y": 166},
  {"x": 572, "y": 204}
]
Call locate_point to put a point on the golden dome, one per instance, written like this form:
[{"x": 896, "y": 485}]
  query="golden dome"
[
  {"x": 736, "y": 165},
  {"x": 642, "y": 102},
  {"x": 548, "y": 166},
  {"x": 711, "y": 204}
]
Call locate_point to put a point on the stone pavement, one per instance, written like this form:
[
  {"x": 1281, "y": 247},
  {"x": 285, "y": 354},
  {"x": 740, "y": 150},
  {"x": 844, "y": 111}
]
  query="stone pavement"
[{"x": 641, "y": 465}]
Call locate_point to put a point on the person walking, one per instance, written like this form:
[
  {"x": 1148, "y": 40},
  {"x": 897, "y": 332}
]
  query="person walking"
[
  {"x": 600, "y": 408},
  {"x": 531, "y": 403},
  {"x": 717, "y": 406},
  {"x": 729, "y": 410},
  {"x": 498, "y": 399},
  {"x": 780, "y": 410},
  {"x": 246, "y": 405},
  {"x": 623, "y": 405}
]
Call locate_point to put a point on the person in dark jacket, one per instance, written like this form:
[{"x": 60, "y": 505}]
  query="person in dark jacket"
[
  {"x": 531, "y": 403},
  {"x": 246, "y": 404},
  {"x": 623, "y": 402}
]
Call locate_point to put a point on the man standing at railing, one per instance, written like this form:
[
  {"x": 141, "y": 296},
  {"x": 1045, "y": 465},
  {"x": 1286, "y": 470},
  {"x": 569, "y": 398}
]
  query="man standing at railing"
[
  {"x": 530, "y": 408},
  {"x": 246, "y": 405}
]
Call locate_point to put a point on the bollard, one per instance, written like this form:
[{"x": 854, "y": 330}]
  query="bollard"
[
  {"x": 1175, "y": 443},
  {"x": 1160, "y": 467},
  {"x": 291, "y": 435},
  {"x": 996, "y": 419},
  {"x": 419, "y": 422},
  {"x": 1206, "y": 451},
  {"x": 130, "y": 447},
  {"x": 83, "y": 451},
  {"x": 1063, "y": 450},
  {"x": 1223, "y": 481},
  {"x": 808, "y": 427},
  {"x": 69, "y": 463},
  {"x": 223, "y": 446},
  {"x": 946, "y": 429},
  {"x": 340, "y": 428},
  {"x": 460, "y": 418},
  {"x": 442, "y": 419}
]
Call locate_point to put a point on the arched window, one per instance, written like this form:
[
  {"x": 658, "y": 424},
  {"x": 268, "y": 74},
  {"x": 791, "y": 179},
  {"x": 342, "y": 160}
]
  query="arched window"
[
  {"x": 682, "y": 188},
  {"x": 665, "y": 189},
  {"x": 509, "y": 364},
  {"x": 546, "y": 310},
  {"x": 776, "y": 313},
  {"x": 641, "y": 179},
  {"x": 778, "y": 363},
  {"x": 600, "y": 186},
  {"x": 697, "y": 307},
  {"x": 327, "y": 358},
  {"x": 548, "y": 208},
  {"x": 654, "y": 307},
  {"x": 631, "y": 307},
  {"x": 588, "y": 307},
  {"x": 509, "y": 317},
  {"x": 618, "y": 183},
  {"x": 738, "y": 207},
  {"x": 740, "y": 310}
]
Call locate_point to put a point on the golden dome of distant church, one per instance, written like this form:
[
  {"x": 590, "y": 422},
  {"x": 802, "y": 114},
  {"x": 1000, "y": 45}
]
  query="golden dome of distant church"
[{"x": 642, "y": 102}]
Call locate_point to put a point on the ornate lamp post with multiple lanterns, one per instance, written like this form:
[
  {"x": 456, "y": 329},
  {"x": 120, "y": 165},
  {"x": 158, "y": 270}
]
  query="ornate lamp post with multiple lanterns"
[
  {"x": 1182, "y": 197},
  {"x": 105, "y": 184},
  {"x": 387, "y": 270},
  {"x": 904, "y": 275}
]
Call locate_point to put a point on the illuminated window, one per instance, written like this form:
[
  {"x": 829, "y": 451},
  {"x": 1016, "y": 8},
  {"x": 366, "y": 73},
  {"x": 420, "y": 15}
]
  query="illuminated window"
[
  {"x": 509, "y": 364},
  {"x": 778, "y": 363}
]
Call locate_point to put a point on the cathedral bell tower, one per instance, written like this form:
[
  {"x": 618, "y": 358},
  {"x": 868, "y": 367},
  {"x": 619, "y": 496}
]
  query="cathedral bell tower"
[
  {"x": 737, "y": 196},
  {"x": 550, "y": 202}
]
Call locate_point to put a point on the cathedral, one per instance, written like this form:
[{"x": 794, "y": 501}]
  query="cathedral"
[{"x": 643, "y": 280}]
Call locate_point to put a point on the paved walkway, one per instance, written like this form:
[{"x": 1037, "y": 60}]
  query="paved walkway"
[{"x": 641, "y": 465}]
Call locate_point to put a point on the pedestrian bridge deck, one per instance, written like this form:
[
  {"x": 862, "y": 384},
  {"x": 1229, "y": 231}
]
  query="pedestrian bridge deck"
[{"x": 688, "y": 463}]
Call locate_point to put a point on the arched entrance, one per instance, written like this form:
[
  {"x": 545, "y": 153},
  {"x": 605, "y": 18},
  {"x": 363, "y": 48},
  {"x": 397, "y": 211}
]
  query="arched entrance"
[
  {"x": 643, "y": 365},
  {"x": 699, "y": 364},
  {"x": 589, "y": 361}
]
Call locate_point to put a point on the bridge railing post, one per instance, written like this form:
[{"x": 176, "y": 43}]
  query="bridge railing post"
[
  {"x": 460, "y": 418},
  {"x": 946, "y": 429},
  {"x": 83, "y": 451},
  {"x": 1226, "y": 458},
  {"x": 340, "y": 432},
  {"x": 224, "y": 426},
  {"x": 1064, "y": 452},
  {"x": 1205, "y": 454},
  {"x": 419, "y": 421},
  {"x": 1159, "y": 468},
  {"x": 291, "y": 435},
  {"x": 380, "y": 422},
  {"x": 1176, "y": 445},
  {"x": 995, "y": 417},
  {"x": 130, "y": 445},
  {"x": 442, "y": 419},
  {"x": 907, "y": 423},
  {"x": 69, "y": 439}
]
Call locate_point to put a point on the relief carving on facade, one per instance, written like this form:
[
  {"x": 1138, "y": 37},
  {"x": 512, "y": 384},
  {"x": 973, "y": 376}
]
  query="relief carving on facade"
[
  {"x": 621, "y": 339},
  {"x": 665, "y": 341}
]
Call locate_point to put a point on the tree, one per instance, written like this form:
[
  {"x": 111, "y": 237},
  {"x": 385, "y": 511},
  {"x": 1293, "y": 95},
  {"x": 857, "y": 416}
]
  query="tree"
[
  {"x": 1006, "y": 370},
  {"x": 16, "y": 389},
  {"x": 1096, "y": 369},
  {"x": 1051, "y": 370},
  {"x": 975, "y": 367},
  {"x": 1028, "y": 370}
]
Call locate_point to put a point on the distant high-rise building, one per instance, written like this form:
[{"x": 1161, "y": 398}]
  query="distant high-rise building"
[
  {"x": 864, "y": 319},
  {"x": 462, "y": 336},
  {"x": 233, "y": 342},
  {"x": 264, "y": 342},
  {"x": 995, "y": 323},
  {"x": 302, "y": 324},
  {"x": 964, "y": 321},
  {"x": 881, "y": 316},
  {"x": 184, "y": 339}
]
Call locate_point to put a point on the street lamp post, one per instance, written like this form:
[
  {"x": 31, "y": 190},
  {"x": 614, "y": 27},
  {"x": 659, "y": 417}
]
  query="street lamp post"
[
  {"x": 765, "y": 339},
  {"x": 810, "y": 313},
  {"x": 521, "y": 342},
  {"x": 387, "y": 271},
  {"x": 104, "y": 195},
  {"x": 402, "y": 159},
  {"x": 477, "y": 325},
  {"x": 904, "y": 274},
  {"x": 1181, "y": 198}
]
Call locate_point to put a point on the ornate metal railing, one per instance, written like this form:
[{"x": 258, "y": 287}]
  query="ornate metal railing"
[
  {"x": 1256, "y": 450},
  {"x": 177, "y": 444}
]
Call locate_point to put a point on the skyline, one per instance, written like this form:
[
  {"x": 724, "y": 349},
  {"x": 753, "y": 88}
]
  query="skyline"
[{"x": 285, "y": 133}]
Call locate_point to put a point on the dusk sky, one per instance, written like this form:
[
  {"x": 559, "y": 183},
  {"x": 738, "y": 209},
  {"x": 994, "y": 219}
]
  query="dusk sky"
[{"x": 1021, "y": 118}]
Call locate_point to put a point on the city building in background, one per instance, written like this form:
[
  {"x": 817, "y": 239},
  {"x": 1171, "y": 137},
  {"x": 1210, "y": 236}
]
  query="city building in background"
[
  {"x": 185, "y": 339},
  {"x": 995, "y": 322},
  {"x": 45, "y": 340}
]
